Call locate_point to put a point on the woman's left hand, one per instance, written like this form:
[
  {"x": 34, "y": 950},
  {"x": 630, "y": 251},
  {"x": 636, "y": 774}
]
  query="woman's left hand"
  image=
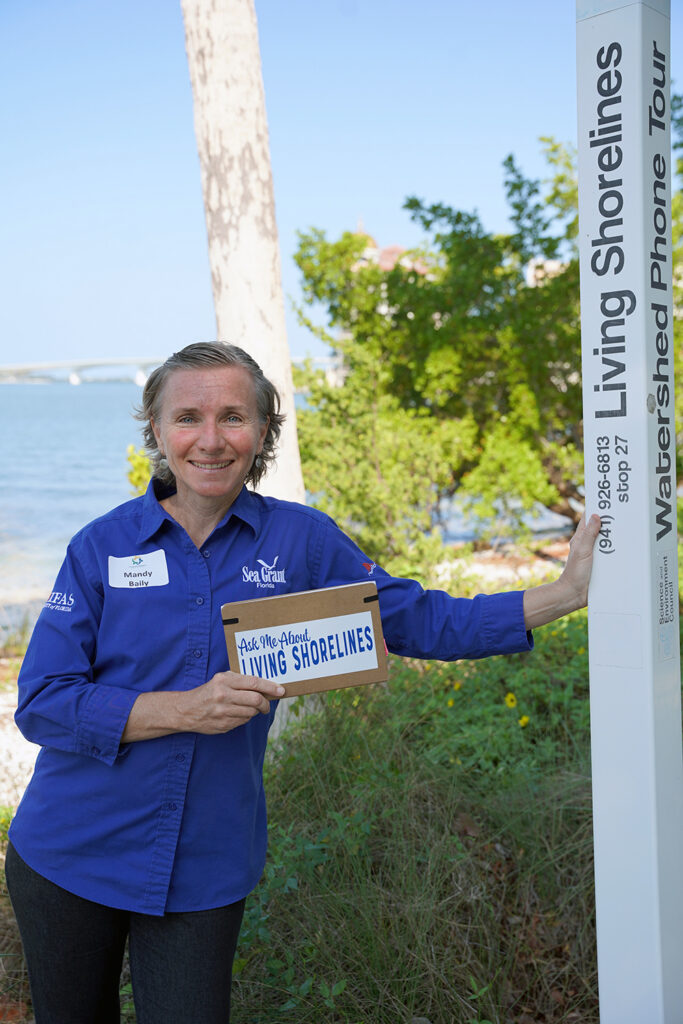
[
  {"x": 553, "y": 600},
  {"x": 579, "y": 565}
]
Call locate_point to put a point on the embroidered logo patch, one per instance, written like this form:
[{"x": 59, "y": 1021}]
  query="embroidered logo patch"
[
  {"x": 60, "y": 602},
  {"x": 266, "y": 576}
]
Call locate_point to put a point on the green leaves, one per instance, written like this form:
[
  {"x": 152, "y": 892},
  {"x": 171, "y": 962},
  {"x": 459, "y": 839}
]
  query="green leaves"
[
  {"x": 439, "y": 828},
  {"x": 139, "y": 469},
  {"x": 508, "y": 482},
  {"x": 463, "y": 366},
  {"x": 463, "y": 371},
  {"x": 378, "y": 468}
]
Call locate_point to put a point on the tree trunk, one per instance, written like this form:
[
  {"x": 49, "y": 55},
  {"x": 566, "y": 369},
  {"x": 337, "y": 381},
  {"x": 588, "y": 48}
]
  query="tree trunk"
[{"x": 221, "y": 38}]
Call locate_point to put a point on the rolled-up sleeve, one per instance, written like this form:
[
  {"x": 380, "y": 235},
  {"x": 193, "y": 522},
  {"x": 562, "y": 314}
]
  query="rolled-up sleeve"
[
  {"x": 421, "y": 623},
  {"x": 431, "y": 624}
]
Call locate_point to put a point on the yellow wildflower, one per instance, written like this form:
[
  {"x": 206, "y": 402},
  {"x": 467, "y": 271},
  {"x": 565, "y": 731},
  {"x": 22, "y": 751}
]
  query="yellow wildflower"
[
  {"x": 524, "y": 721},
  {"x": 450, "y": 702},
  {"x": 457, "y": 685},
  {"x": 511, "y": 700}
]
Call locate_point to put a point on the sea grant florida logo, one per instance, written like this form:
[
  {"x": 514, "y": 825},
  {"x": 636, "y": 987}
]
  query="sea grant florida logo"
[{"x": 266, "y": 576}]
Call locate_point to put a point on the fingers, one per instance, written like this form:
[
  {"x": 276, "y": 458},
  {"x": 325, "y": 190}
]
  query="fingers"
[
  {"x": 586, "y": 532},
  {"x": 593, "y": 525},
  {"x": 229, "y": 700},
  {"x": 267, "y": 687}
]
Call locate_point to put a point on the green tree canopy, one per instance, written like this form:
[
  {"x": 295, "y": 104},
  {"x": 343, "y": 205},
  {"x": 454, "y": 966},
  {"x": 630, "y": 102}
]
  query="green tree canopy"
[{"x": 462, "y": 369}]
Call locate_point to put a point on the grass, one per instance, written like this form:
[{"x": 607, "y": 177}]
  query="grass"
[
  {"x": 12, "y": 647},
  {"x": 430, "y": 855}
]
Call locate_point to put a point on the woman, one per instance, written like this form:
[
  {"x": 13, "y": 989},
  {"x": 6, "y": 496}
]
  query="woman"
[{"x": 145, "y": 817}]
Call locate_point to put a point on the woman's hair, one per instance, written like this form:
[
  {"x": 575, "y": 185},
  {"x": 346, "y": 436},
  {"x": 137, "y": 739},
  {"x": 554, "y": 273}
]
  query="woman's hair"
[{"x": 196, "y": 357}]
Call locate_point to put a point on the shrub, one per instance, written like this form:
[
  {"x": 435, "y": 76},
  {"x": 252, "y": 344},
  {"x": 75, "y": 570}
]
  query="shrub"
[{"x": 406, "y": 874}]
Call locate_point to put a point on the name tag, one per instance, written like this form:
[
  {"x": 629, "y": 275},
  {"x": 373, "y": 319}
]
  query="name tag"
[{"x": 148, "y": 570}]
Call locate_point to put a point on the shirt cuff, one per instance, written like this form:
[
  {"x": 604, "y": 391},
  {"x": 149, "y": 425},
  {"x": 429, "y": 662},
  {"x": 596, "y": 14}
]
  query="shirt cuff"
[
  {"x": 503, "y": 624},
  {"x": 102, "y": 723}
]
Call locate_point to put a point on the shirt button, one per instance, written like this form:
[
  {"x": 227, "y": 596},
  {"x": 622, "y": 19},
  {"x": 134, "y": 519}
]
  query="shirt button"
[
  {"x": 197, "y": 653},
  {"x": 207, "y": 554},
  {"x": 199, "y": 600},
  {"x": 180, "y": 757},
  {"x": 173, "y": 807}
]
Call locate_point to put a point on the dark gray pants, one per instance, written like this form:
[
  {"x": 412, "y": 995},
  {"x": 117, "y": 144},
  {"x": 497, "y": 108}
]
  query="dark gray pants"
[{"x": 181, "y": 964}]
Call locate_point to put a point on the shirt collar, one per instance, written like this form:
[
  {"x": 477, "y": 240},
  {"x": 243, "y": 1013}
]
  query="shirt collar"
[
  {"x": 245, "y": 507},
  {"x": 153, "y": 515}
]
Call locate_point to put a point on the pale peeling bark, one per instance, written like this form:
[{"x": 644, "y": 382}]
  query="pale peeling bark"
[{"x": 221, "y": 38}]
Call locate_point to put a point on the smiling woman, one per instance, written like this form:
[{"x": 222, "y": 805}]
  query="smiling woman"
[
  {"x": 212, "y": 423},
  {"x": 153, "y": 749},
  {"x": 255, "y": 396},
  {"x": 210, "y": 433}
]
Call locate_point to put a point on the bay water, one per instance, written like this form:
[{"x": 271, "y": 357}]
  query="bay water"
[{"x": 63, "y": 463}]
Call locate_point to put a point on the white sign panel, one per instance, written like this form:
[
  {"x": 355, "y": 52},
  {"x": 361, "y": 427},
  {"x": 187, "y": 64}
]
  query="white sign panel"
[
  {"x": 624, "y": 77},
  {"x": 303, "y": 650}
]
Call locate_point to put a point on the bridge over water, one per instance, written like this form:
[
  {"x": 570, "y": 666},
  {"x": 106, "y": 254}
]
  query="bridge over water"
[
  {"x": 76, "y": 370},
  {"x": 137, "y": 368}
]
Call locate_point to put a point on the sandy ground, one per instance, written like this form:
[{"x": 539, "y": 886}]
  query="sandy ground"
[
  {"x": 17, "y": 755},
  {"x": 510, "y": 570}
]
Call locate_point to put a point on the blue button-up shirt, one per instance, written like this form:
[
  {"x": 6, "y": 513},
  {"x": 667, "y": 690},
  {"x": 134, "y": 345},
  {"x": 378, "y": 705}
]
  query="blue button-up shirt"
[{"x": 179, "y": 822}]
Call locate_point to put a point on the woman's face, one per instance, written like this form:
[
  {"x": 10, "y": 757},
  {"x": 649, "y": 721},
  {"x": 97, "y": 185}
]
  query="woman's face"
[{"x": 209, "y": 431}]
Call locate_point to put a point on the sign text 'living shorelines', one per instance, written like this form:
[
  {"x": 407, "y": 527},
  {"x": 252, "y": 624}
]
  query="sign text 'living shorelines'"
[
  {"x": 337, "y": 645},
  {"x": 609, "y": 262}
]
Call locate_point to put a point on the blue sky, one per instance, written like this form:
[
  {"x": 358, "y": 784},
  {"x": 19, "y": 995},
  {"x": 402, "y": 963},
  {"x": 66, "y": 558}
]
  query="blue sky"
[{"x": 103, "y": 247}]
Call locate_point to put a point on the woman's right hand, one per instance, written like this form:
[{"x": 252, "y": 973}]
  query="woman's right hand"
[{"x": 227, "y": 701}]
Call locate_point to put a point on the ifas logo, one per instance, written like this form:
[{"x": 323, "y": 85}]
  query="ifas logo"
[
  {"x": 266, "y": 576},
  {"x": 59, "y": 601}
]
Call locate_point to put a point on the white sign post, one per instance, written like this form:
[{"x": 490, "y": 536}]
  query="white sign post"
[{"x": 624, "y": 76}]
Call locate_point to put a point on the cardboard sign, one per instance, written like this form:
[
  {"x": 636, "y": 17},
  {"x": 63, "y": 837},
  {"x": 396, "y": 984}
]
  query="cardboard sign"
[{"x": 310, "y": 641}]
